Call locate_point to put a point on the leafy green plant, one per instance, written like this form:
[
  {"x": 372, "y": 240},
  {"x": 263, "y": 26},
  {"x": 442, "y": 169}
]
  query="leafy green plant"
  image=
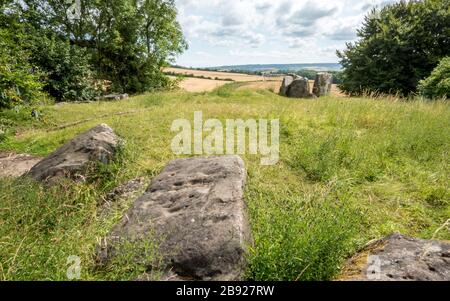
[
  {"x": 437, "y": 85},
  {"x": 69, "y": 75},
  {"x": 19, "y": 81}
]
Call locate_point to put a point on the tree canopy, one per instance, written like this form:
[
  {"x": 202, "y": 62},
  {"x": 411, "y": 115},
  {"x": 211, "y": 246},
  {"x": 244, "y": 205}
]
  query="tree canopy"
[
  {"x": 74, "y": 42},
  {"x": 398, "y": 46}
]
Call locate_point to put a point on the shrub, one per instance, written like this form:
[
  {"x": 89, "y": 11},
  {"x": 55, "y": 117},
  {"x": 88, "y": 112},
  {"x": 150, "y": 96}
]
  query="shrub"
[
  {"x": 19, "y": 81},
  {"x": 438, "y": 83},
  {"x": 68, "y": 72}
]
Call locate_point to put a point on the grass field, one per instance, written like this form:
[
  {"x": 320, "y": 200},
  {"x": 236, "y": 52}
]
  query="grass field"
[{"x": 350, "y": 170}]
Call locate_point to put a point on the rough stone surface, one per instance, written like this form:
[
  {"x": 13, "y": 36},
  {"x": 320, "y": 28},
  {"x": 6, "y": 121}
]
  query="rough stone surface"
[
  {"x": 299, "y": 88},
  {"x": 287, "y": 81},
  {"x": 113, "y": 97},
  {"x": 15, "y": 165},
  {"x": 401, "y": 258},
  {"x": 322, "y": 84},
  {"x": 195, "y": 207},
  {"x": 97, "y": 144}
]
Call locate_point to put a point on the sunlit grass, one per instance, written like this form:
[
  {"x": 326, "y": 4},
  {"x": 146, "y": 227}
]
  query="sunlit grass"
[{"x": 350, "y": 170}]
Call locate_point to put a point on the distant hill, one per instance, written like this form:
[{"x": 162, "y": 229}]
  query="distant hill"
[{"x": 278, "y": 67}]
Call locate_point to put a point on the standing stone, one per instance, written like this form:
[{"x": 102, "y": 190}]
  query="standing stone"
[
  {"x": 299, "y": 88},
  {"x": 97, "y": 144},
  {"x": 398, "y": 257},
  {"x": 195, "y": 209},
  {"x": 322, "y": 84},
  {"x": 287, "y": 80}
]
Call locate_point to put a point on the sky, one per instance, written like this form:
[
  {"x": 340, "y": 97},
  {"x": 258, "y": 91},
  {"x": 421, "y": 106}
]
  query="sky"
[{"x": 239, "y": 32}]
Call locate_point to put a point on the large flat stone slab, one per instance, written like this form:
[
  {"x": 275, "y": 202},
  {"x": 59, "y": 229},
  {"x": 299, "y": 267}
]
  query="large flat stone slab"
[
  {"x": 401, "y": 258},
  {"x": 15, "y": 165},
  {"x": 98, "y": 144},
  {"x": 195, "y": 207}
]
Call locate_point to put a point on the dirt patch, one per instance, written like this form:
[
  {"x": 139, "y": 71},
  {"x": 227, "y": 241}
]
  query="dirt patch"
[{"x": 15, "y": 165}]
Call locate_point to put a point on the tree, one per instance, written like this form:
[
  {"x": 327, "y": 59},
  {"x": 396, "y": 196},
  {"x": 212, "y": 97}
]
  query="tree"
[
  {"x": 437, "y": 85},
  {"x": 124, "y": 41},
  {"x": 19, "y": 81},
  {"x": 68, "y": 74},
  {"x": 398, "y": 46}
]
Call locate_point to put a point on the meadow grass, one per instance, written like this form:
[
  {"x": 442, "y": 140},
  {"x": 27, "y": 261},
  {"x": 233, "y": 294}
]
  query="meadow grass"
[{"x": 350, "y": 170}]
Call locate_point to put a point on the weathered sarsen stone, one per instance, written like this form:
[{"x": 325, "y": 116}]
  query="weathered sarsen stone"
[
  {"x": 195, "y": 208},
  {"x": 322, "y": 84},
  {"x": 98, "y": 144},
  {"x": 398, "y": 257},
  {"x": 299, "y": 88},
  {"x": 287, "y": 81}
]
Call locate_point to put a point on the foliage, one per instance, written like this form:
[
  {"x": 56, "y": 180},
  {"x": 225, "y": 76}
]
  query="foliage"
[
  {"x": 398, "y": 46},
  {"x": 438, "y": 83},
  {"x": 68, "y": 72},
  {"x": 19, "y": 81},
  {"x": 125, "y": 42}
]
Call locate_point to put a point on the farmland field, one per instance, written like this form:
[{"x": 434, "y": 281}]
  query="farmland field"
[
  {"x": 238, "y": 77},
  {"x": 214, "y": 79},
  {"x": 193, "y": 84}
]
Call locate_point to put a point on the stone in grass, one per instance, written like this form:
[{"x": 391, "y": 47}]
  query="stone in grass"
[
  {"x": 113, "y": 97},
  {"x": 299, "y": 88},
  {"x": 195, "y": 208},
  {"x": 98, "y": 144},
  {"x": 322, "y": 84},
  {"x": 400, "y": 258},
  {"x": 287, "y": 81}
]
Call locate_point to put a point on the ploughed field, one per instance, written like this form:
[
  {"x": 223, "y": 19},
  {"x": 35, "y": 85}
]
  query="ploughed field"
[{"x": 350, "y": 170}]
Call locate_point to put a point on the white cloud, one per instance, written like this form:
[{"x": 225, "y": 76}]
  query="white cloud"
[{"x": 304, "y": 30}]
